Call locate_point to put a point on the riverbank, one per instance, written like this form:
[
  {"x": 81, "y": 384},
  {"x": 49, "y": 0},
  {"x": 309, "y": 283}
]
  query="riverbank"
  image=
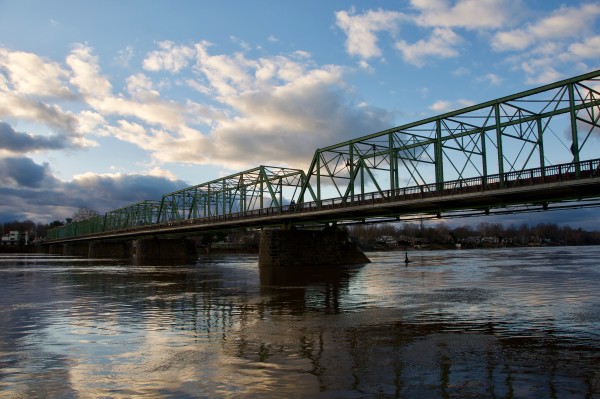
[{"x": 444, "y": 247}]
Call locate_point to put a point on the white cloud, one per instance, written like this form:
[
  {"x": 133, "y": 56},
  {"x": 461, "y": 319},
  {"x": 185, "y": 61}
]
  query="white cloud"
[
  {"x": 158, "y": 172},
  {"x": 465, "y": 103},
  {"x": 589, "y": 48},
  {"x": 89, "y": 121},
  {"x": 361, "y": 30},
  {"x": 29, "y": 88},
  {"x": 517, "y": 39},
  {"x": 141, "y": 88},
  {"x": 442, "y": 16},
  {"x": 441, "y": 44},
  {"x": 461, "y": 71},
  {"x": 441, "y": 106},
  {"x": 16, "y": 106},
  {"x": 544, "y": 47},
  {"x": 491, "y": 78},
  {"x": 29, "y": 74},
  {"x": 170, "y": 57},
  {"x": 86, "y": 73},
  {"x": 270, "y": 110},
  {"x": 125, "y": 56},
  {"x": 242, "y": 43},
  {"x": 539, "y": 75},
  {"x": 469, "y": 14},
  {"x": 145, "y": 104},
  {"x": 564, "y": 23}
]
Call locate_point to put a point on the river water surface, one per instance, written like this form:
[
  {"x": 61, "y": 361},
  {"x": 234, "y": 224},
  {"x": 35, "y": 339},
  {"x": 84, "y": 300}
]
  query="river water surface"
[{"x": 506, "y": 323}]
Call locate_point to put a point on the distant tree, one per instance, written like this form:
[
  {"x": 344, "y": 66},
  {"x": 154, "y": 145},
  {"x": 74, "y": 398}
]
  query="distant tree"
[
  {"x": 23, "y": 226},
  {"x": 83, "y": 214},
  {"x": 463, "y": 232}
]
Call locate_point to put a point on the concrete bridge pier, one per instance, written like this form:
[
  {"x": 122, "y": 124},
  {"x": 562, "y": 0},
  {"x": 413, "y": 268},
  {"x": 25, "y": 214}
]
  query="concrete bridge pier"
[
  {"x": 55, "y": 249},
  {"x": 159, "y": 251},
  {"x": 75, "y": 249},
  {"x": 110, "y": 249},
  {"x": 292, "y": 248}
]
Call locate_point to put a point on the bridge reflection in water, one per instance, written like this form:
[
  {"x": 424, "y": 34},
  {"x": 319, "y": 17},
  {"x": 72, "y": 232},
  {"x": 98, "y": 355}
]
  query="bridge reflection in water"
[{"x": 494, "y": 323}]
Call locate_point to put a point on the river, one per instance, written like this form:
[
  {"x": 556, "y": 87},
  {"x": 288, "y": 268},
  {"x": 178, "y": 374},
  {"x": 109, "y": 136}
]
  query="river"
[{"x": 501, "y": 323}]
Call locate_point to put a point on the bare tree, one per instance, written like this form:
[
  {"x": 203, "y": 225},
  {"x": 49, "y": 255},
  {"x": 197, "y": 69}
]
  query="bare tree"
[{"x": 83, "y": 214}]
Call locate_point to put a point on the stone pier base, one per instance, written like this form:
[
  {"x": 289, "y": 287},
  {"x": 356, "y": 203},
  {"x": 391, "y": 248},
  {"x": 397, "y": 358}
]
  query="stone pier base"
[
  {"x": 282, "y": 248},
  {"x": 42, "y": 249},
  {"x": 76, "y": 249},
  {"x": 110, "y": 249},
  {"x": 55, "y": 249},
  {"x": 155, "y": 251}
]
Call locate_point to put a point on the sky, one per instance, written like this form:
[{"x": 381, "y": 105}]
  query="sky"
[{"x": 107, "y": 103}]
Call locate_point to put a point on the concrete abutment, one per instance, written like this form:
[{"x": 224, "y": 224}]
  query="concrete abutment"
[
  {"x": 110, "y": 249},
  {"x": 149, "y": 251},
  {"x": 55, "y": 249},
  {"x": 331, "y": 246},
  {"x": 76, "y": 249}
]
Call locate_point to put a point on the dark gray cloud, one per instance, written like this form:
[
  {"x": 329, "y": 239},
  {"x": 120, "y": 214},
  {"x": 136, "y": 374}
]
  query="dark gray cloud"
[
  {"x": 30, "y": 191},
  {"x": 24, "y": 172},
  {"x": 22, "y": 143},
  {"x": 106, "y": 193}
]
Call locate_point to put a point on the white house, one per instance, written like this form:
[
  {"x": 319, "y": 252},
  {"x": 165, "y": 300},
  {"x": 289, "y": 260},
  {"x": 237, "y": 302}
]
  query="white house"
[{"x": 14, "y": 238}]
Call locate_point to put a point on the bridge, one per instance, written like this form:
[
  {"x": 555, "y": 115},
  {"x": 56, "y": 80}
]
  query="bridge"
[{"x": 534, "y": 150}]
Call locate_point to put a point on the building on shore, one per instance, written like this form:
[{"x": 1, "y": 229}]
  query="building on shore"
[{"x": 15, "y": 238}]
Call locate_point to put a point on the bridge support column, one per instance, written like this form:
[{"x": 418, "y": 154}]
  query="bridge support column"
[
  {"x": 110, "y": 249},
  {"x": 76, "y": 249},
  {"x": 289, "y": 248},
  {"x": 155, "y": 251},
  {"x": 55, "y": 249}
]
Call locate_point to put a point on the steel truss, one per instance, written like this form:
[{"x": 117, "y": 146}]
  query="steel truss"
[
  {"x": 555, "y": 124},
  {"x": 258, "y": 188},
  {"x": 139, "y": 214},
  {"x": 518, "y": 132}
]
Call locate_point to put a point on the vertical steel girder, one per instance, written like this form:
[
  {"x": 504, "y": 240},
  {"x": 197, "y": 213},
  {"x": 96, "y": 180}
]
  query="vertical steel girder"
[{"x": 498, "y": 136}]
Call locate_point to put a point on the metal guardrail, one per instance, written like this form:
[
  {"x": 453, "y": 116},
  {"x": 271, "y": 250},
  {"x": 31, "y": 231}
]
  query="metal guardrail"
[{"x": 528, "y": 177}]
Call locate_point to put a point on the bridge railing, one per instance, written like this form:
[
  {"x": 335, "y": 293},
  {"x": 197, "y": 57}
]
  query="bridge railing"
[
  {"x": 528, "y": 177},
  {"x": 548, "y": 174}
]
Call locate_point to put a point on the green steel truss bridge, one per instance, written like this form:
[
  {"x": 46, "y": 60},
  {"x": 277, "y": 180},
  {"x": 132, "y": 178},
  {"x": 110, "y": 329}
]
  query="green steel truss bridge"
[{"x": 534, "y": 150}]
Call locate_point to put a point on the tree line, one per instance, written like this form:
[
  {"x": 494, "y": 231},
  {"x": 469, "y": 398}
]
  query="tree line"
[
  {"x": 39, "y": 230},
  {"x": 404, "y": 233},
  {"x": 481, "y": 234}
]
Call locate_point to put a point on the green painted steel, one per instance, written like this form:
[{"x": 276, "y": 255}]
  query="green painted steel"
[
  {"x": 550, "y": 125},
  {"x": 261, "y": 187},
  {"x": 139, "y": 214},
  {"x": 501, "y": 136}
]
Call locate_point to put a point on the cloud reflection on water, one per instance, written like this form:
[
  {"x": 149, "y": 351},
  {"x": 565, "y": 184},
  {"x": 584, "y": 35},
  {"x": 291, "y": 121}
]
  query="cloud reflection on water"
[{"x": 451, "y": 324}]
